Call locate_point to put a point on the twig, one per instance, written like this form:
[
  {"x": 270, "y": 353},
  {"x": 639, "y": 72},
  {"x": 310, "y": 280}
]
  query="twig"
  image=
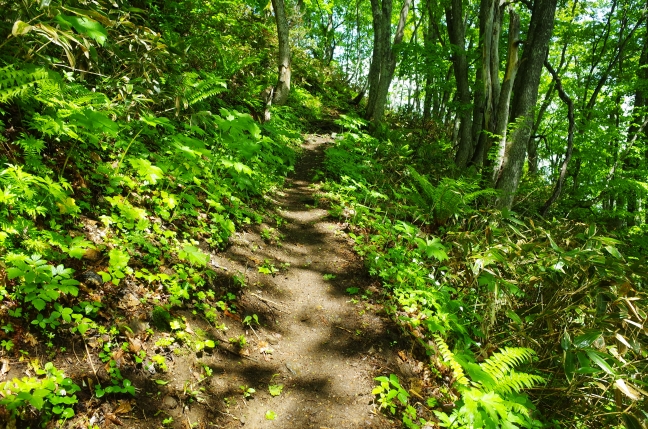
[
  {"x": 90, "y": 360},
  {"x": 228, "y": 414},
  {"x": 75, "y": 355},
  {"x": 344, "y": 329},
  {"x": 268, "y": 302},
  {"x": 222, "y": 347}
]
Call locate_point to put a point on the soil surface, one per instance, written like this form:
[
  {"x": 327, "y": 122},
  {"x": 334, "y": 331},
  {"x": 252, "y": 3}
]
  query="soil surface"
[{"x": 317, "y": 344}]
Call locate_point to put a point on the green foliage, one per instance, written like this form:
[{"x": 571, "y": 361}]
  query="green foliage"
[
  {"x": 450, "y": 198},
  {"x": 52, "y": 395},
  {"x": 275, "y": 389},
  {"x": 503, "y": 266},
  {"x": 388, "y": 391},
  {"x": 161, "y": 318},
  {"x": 40, "y": 283},
  {"x": 17, "y": 82}
]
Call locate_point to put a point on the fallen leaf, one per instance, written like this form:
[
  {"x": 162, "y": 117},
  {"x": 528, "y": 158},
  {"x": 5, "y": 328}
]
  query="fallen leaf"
[
  {"x": 188, "y": 328},
  {"x": 232, "y": 315},
  {"x": 113, "y": 419},
  {"x": 124, "y": 407},
  {"x": 244, "y": 352},
  {"x": 30, "y": 339},
  {"x": 134, "y": 345}
]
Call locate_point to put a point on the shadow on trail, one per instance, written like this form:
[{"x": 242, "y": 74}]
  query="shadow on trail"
[{"x": 313, "y": 338}]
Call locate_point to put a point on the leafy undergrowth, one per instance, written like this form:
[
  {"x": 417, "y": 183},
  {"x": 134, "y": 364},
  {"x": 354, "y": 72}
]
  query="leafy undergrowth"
[
  {"x": 526, "y": 322},
  {"x": 145, "y": 199}
]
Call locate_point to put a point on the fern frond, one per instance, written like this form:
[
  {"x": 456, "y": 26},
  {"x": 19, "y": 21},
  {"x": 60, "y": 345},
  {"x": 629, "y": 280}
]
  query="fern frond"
[
  {"x": 428, "y": 189},
  {"x": 449, "y": 359},
  {"x": 198, "y": 90},
  {"x": 517, "y": 381},
  {"x": 15, "y": 82},
  {"x": 501, "y": 363}
]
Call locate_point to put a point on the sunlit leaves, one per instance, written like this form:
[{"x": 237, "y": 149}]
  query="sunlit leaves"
[
  {"x": 193, "y": 255},
  {"x": 84, "y": 26}
]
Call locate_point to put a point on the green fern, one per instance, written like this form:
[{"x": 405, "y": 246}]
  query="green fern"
[
  {"x": 501, "y": 363},
  {"x": 493, "y": 399},
  {"x": 449, "y": 198},
  {"x": 515, "y": 382},
  {"x": 16, "y": 82},
  {"x": 449, "y": 359},
  {"x": 200, "y": 89}
]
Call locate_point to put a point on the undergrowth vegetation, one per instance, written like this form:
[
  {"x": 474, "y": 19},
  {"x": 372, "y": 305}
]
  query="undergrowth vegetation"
[
  {"x": 124, "y": 162},
  {"x": 527, "y": 322},
  {"x": 133, "y": 147}
]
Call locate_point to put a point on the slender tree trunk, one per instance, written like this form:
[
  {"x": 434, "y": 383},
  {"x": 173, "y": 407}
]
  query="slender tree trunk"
[
  {"x": 378, "y": 10},
  {"x": 570, "y": 140},
  {"x": 501, "y": 115},
  {"x": 638, "y": 114},
  {"x": 498, "y": 96},
  {"x": 379, "y": 85},
  {"x": 532, "y": 149},
  {"x": 456, "y": 33},
  {"x": 282, "y": 89},
  {"x": 525, "y": 95}
]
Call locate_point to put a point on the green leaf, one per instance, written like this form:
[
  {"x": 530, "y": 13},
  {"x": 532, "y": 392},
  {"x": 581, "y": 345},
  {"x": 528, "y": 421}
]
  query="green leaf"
[
  {"x": 597, "y": 358},
  {"x": 631, "y": 422},
  {"x": 193, "y": 255},
  {"x": 118, "y": 259},
  {"x": 12, "y": 273},
  {"x": 275, "y": 389},
  {"x": 39, "y": 304},
  {"x": 86, "y": 26},
  {"x": 614, "y": 252},
  {"x": 553, "y": 244},
  {"x": 570, "y": 365},
  {"x": 146, "y": 170},
  {"x": 270, "y": 415},
  {"x": 511, "y": 314},
  {"x": 586, "y": 340}
]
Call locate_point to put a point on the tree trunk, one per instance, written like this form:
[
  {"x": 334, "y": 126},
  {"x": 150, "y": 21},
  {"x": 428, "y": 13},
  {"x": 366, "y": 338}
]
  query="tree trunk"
[
  {"x": 525, "y": 95},
  {"x": 378, "y": 10},
  {"x": 282, "y": 89},
  {"x": 501, "y": 114},
  {"x": 498, "y": 96},
  {"x": 456, "y": 33},
  {"x": 570, "y": 140},
  {"x": 385, "y": 56}
]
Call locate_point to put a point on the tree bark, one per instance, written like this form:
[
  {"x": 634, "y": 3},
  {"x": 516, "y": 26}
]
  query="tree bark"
[
  {"x": 456, "y": 33},
  {"x": 385, "y": 55},
  {"x": 525, "y": 95},
  {"x": 498, "y": 96},
  {"x": 378, "y": 10},
  {"x": 282, "y": 89},
  {"x": 501, "y": 114}
]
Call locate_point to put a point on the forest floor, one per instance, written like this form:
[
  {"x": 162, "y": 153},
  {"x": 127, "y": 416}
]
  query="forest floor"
[{"x": 316, "y": 346}]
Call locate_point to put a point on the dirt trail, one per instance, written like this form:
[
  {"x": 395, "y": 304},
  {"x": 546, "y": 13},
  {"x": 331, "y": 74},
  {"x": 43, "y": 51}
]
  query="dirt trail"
[
  {"x": 326, "y": 350},
  {"x": 324, "y": 347}
]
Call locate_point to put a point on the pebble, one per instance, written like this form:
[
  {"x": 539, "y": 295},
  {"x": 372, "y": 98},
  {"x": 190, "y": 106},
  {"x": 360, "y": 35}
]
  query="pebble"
[{"x": 169, "y": 402}]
